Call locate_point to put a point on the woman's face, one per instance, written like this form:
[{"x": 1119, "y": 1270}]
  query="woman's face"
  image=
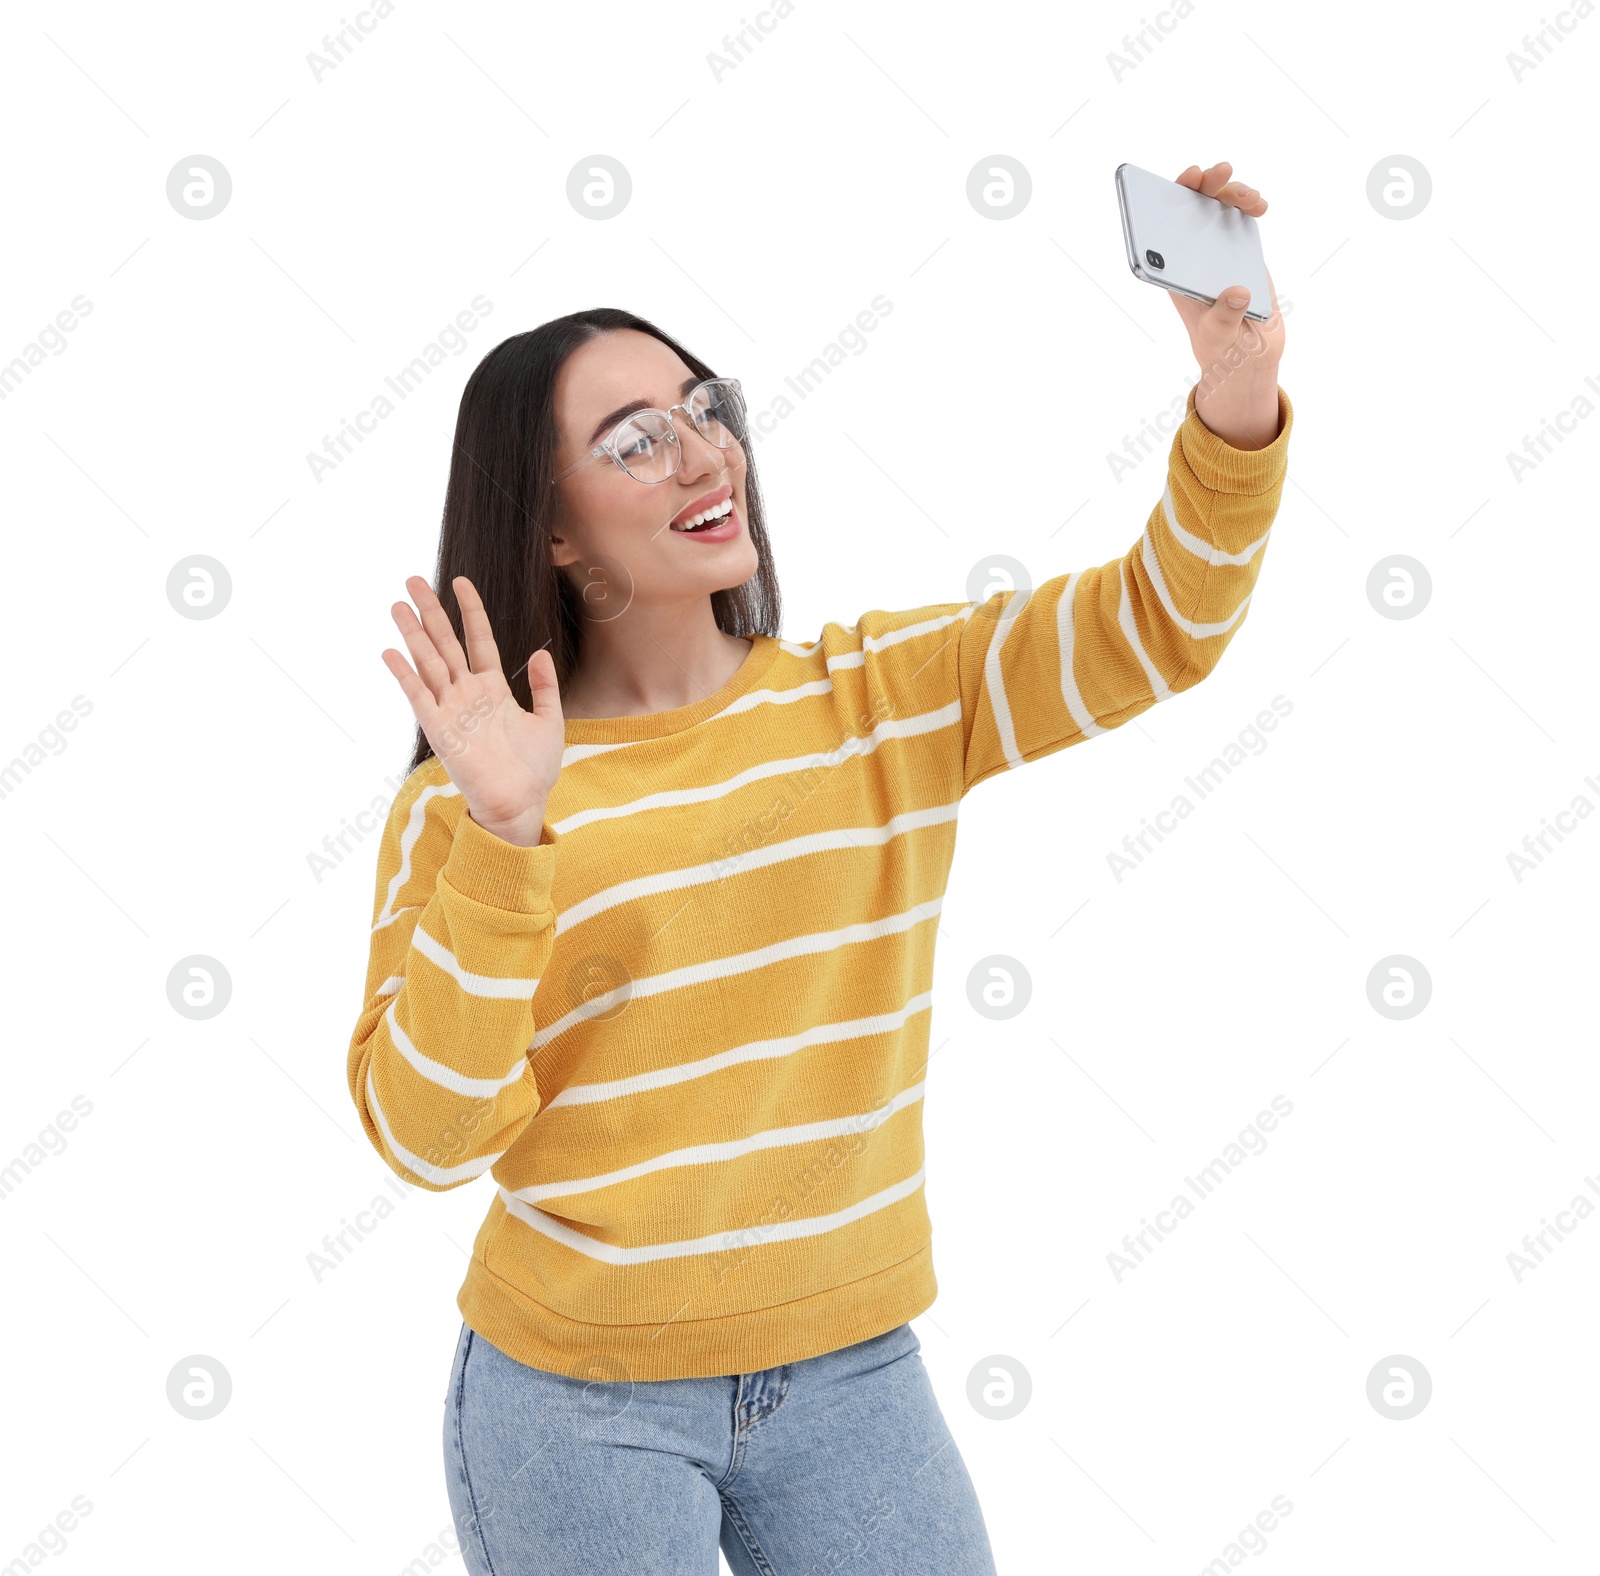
[{"x": 612, "y": 534}]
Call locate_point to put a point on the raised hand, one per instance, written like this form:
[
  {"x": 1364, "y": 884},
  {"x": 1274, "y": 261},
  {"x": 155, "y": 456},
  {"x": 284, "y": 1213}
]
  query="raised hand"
[
  {"x": 504, "y": 760},
  {"x": 1238, "y": 357}
]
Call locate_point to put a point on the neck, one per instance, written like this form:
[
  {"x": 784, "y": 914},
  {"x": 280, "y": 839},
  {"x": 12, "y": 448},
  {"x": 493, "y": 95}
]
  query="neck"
[{"x": 651, "y": 659}]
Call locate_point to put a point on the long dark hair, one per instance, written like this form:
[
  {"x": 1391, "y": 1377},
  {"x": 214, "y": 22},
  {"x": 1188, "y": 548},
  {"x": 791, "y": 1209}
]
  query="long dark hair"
[{"x": 498, "y": 506}]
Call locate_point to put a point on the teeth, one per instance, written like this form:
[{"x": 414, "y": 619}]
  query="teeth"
[{"x": 715, "y": 512}]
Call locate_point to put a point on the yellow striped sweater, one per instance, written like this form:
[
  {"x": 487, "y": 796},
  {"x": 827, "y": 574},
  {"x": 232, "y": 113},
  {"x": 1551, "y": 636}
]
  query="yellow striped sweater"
[{"x": 687, "y": 1032}]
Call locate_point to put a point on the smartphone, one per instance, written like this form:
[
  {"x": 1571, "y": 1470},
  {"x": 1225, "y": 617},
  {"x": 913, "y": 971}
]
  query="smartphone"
[{"x": 1189, "y": 243}]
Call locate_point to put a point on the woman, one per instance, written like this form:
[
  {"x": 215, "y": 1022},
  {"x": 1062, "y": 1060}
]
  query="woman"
[{"x": 653, "y": 944}]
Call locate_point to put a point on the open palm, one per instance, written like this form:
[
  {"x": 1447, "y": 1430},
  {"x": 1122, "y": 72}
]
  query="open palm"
[{"x": 504, "y": 760}]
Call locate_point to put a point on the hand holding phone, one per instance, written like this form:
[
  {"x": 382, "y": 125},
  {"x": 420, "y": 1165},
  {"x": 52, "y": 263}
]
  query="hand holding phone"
[{"x": 1189, "y": 243}]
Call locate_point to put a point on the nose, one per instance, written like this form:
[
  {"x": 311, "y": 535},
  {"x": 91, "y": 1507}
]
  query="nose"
[{"x": 695, "y": 450}]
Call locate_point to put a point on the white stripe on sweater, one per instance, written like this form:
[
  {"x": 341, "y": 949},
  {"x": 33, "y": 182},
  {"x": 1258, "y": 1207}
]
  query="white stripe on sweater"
[
  {"x": 889, "y": 637},
  {"x": 1066, "y": 643},
  {"x": 1130, "y": 630},
  {"x": 473, "y": 984},
  {"x": 1199, "y": 631},
  {"x": 772, "y": 697},
  {"x": 853, "y": 744},
  {"x": 731, "y": 1149},
  {"x": 750, "y": 1051},
  {"x": 413, "y": 830},
  {"x": 719, "y": 1242},
  {"x": 994, "y": 680},
  {"x": 738, "y": 963},
  {"x": 446, "y": 1176},
  {"x": 752, "y": 859},
  {"x": 1211, "y": 553},
  {"x": 448, "y": 1077}
]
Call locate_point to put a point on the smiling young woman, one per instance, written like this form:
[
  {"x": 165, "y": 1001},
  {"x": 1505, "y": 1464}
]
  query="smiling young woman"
[{"x": 653, "y": 941}]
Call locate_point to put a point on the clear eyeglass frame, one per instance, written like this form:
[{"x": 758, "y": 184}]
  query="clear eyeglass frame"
[{"x": 607, "y": 448}]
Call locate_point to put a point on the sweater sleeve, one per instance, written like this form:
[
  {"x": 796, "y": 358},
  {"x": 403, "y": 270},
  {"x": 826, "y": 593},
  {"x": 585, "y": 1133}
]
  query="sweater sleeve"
[
  {"x": 463, "y": 925},
  {"x": 1038, "y": 670}
]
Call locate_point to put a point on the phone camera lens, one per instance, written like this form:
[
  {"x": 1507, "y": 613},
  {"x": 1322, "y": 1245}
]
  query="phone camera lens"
[{"x": 1155, "y": 259}]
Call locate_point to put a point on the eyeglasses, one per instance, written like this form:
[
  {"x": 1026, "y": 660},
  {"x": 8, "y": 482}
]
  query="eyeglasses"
[{"x": 646, "y": 445}]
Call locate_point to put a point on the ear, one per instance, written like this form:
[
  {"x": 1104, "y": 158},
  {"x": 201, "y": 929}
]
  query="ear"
[{"x": 561, "y": 552}]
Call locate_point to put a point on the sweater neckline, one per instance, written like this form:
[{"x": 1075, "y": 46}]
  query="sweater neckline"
[{"x": 658, "y": 724}]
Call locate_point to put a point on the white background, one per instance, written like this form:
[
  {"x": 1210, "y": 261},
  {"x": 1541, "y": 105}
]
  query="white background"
[{"x": 1168, "y": 1008}]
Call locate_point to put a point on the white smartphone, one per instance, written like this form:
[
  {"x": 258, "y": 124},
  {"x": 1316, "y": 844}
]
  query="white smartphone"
[{"x": 1189, "y": 243}]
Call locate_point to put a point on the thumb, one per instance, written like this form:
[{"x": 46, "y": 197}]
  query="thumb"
[{"x": 1230, "y": 303}]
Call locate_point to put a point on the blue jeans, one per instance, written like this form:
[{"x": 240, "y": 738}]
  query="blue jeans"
[{"x": 795, "y": 1471}]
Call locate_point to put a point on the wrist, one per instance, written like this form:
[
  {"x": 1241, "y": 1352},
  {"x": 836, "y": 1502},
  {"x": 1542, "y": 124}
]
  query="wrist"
[
  {"x": 522, "y": 831},
  {"x": 1242, "y": 410}
]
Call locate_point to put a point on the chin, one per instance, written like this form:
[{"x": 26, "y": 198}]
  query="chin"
[{"x": 737, "y": 567}]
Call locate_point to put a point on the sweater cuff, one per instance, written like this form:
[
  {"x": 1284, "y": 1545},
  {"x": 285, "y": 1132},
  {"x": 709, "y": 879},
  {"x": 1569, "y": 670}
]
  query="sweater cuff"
[
  {"x": 1219, "y": 467},
  {"x": 499, "y": 874}
]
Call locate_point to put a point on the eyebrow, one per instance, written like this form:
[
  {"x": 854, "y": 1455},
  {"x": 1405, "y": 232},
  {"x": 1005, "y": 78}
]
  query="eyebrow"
[{"x": 633, "y": 405}]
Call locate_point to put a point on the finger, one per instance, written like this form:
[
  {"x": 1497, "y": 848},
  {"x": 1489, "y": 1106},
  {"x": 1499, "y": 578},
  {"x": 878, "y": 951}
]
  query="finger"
[
  {"x": 1190, "y": 178},
  {"x": 1215, "y": 178},
  {"x": 422, "y": 702},
  {"x": 1238, "y": 195},
  {"x": 429, "y": 663},
  {"x": 482, "y": 652},
  {"x": 543, "y": 689},
  {"x": 440, "y": 630}
]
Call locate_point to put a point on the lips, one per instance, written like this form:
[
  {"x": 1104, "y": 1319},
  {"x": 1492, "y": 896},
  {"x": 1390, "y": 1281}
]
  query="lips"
[{"x": 702, "y": 503}]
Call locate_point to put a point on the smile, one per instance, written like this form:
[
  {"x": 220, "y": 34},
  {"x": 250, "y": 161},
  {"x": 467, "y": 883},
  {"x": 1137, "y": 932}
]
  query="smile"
[{"x": 711, "y": 518}]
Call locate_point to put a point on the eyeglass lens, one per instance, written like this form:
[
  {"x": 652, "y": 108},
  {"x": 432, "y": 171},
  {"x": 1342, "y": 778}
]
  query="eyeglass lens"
[{"x": 648, "y": 447}]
